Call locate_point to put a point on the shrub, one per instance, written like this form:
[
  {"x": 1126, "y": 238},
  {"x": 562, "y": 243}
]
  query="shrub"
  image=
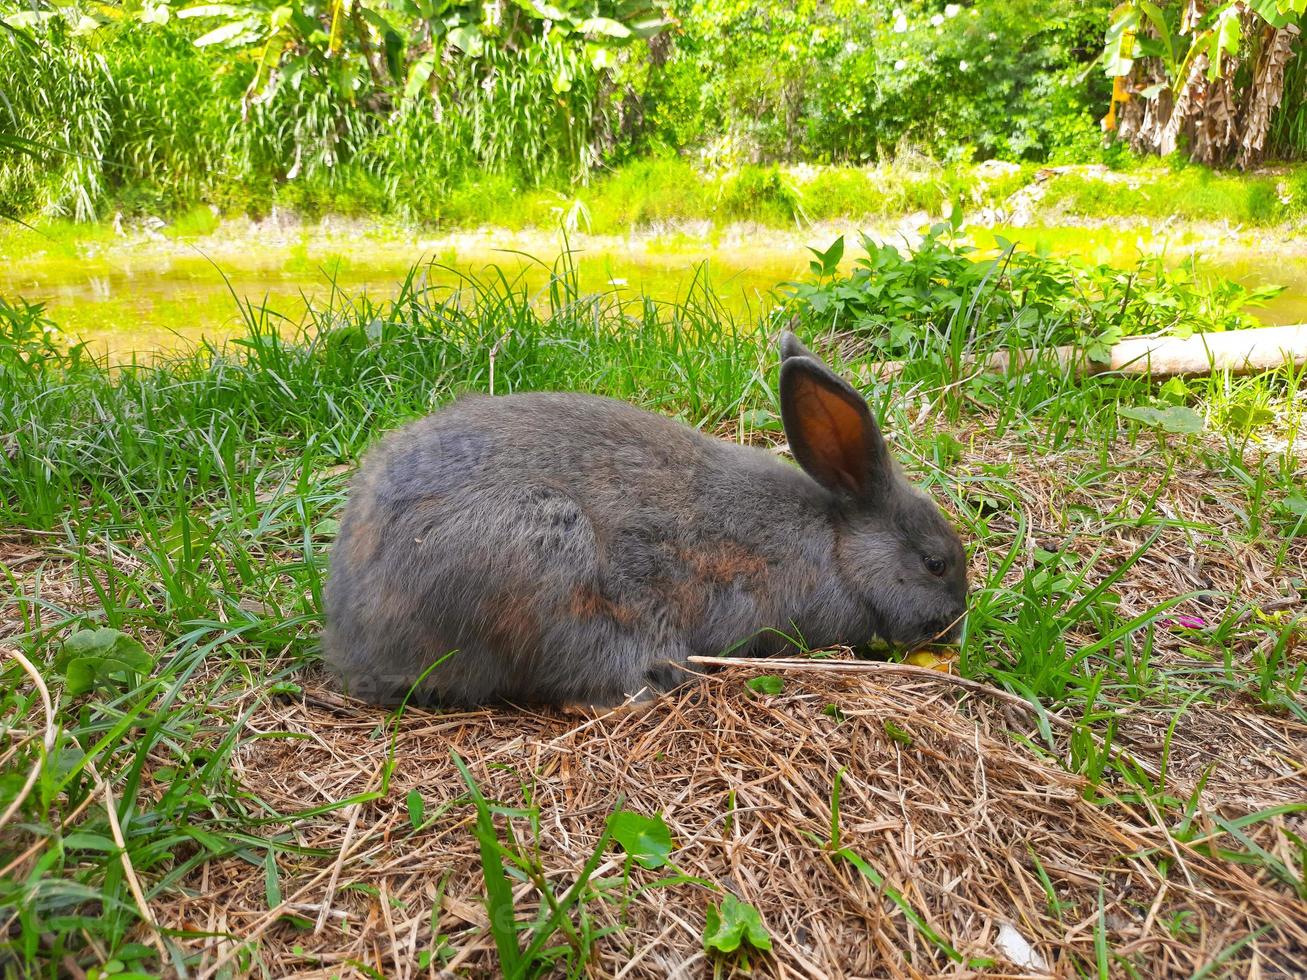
[
  {"x": 853, "y": 81},
  {"x": 761, "y": 194},
  {"x": 942, "y": 289}
]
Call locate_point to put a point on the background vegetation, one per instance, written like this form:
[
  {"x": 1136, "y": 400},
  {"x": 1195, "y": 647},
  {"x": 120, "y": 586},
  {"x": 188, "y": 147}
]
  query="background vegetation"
[{"x": 430, "y": 109}]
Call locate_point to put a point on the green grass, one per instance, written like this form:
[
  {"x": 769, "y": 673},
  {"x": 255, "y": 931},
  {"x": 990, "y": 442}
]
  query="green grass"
[
  {"x": 199, "y": 220},
  {"x": 194, "y": 497},
  {"x": 667, "y": 193},
  {"x": 1190, "y": 193}
]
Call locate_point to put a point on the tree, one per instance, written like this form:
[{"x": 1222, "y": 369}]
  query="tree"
[{"x": 1208, "y": 80}]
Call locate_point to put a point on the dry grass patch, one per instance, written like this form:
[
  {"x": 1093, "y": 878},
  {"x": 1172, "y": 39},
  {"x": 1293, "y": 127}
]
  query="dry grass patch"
[{"x": 972, "y": 829}]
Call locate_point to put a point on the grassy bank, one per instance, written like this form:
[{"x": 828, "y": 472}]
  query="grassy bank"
[
  {"x": 670, "y": 194},
  {"x": 1139, "y": 554},
  {"x": 672, "y": 191}
]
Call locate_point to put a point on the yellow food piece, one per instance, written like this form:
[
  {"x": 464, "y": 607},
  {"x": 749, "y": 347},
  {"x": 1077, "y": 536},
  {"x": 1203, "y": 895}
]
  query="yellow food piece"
[{"x": 943, "y": 662}]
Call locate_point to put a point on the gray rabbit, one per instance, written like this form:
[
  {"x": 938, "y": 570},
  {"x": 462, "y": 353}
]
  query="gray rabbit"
[{"x": 564, "y": 548}]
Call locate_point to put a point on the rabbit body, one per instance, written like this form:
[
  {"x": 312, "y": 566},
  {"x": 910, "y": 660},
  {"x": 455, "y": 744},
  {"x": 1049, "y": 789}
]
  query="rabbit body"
[{"x": 565, "y": 548}]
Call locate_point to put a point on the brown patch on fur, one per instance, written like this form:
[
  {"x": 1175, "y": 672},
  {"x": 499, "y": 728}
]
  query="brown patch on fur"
[
  {"x": 588, "y": 603},
  {"x": 362, "y": 542},
  {"x": 726, "y": 563},
  {"x": 511, "y": 624}
]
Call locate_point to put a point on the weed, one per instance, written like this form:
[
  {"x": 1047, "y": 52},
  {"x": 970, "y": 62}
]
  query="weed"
[
  {"x": 646, "y": 841},
  {"x": 942, "y": 294}
]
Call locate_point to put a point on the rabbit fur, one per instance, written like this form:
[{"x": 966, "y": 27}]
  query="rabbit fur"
[{"x": 563, "y": 548}]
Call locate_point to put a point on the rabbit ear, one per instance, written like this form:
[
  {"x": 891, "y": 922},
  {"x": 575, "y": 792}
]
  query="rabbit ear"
[
  {"x": 831, "y": 431},
  {"x": 791, "y": 347}
]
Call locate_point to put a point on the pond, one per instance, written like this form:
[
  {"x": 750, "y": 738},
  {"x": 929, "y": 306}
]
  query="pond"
[{"x": 148, "y": 293}]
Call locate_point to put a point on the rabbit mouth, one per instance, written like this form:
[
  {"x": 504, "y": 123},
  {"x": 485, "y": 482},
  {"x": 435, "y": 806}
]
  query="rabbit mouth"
[
  {"x": 914, "y": 634},
  {"x": 942, "y": 633}
]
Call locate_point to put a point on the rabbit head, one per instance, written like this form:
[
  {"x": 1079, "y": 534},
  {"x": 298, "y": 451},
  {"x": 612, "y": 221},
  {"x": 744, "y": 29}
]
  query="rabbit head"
[{"x": 897, "y": 554}]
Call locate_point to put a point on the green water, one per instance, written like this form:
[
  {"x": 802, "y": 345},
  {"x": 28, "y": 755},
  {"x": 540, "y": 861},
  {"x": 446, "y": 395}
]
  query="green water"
[{"x": 149, "y": 293}]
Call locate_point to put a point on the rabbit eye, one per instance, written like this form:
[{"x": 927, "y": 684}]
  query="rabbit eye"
[{"x": 935, "y": 566}]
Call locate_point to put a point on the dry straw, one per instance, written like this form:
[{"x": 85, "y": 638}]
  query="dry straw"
[{"x": 954, "y": 814}]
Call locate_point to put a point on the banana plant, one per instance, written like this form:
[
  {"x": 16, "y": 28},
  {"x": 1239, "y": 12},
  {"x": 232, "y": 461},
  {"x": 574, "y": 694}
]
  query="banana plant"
[
  {"x": 601, "y": 27},
  {"x": 1188, "y": 49},
  {"x": 404, "y": 41},
  {"x": 1218, "y": 33},
  {"x": 347, "y": 35}
]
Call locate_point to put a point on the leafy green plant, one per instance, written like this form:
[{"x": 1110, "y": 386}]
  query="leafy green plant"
[
  {"x": 734, "y": 926},
  {"x": 53, "y": 114},
  {"x": 555, "y": 916},
  {"x": 31, "y": 344},
  {"x": 646, "y": 841},
  {"x": 766, "y": 684},
  {"x": 90, "y": 658},
  {"x": 1175, "y": 418},
  {"x": 944, "y": 288}
]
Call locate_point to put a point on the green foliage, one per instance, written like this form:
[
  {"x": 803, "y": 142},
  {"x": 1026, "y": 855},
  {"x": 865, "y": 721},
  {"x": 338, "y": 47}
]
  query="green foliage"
[
  {"x": 883, "y": 191},
  {"x": 317, "y": 106},
  {"x": 853, "y": 81},
  {"x": 90, "y": 658},
  {"x": 566, "y": 916},
  {"x": 942, "y": 288},
  {"x": 184, "y": 815},
  {"x": 766, "y": 684},
  {"x": 54, "y": 101},
  {"x": 473, "y": 112},
  {"x": 1174, "y": 418},
  {"x": 30, "y": 343},
  {"x": 176, "y": 135},
  {"x": 646, "y": 840},
  {"x": 734, "y": 925},
  {"x": 387, "y": 105},
  {"x": 416, "y": 809}
]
